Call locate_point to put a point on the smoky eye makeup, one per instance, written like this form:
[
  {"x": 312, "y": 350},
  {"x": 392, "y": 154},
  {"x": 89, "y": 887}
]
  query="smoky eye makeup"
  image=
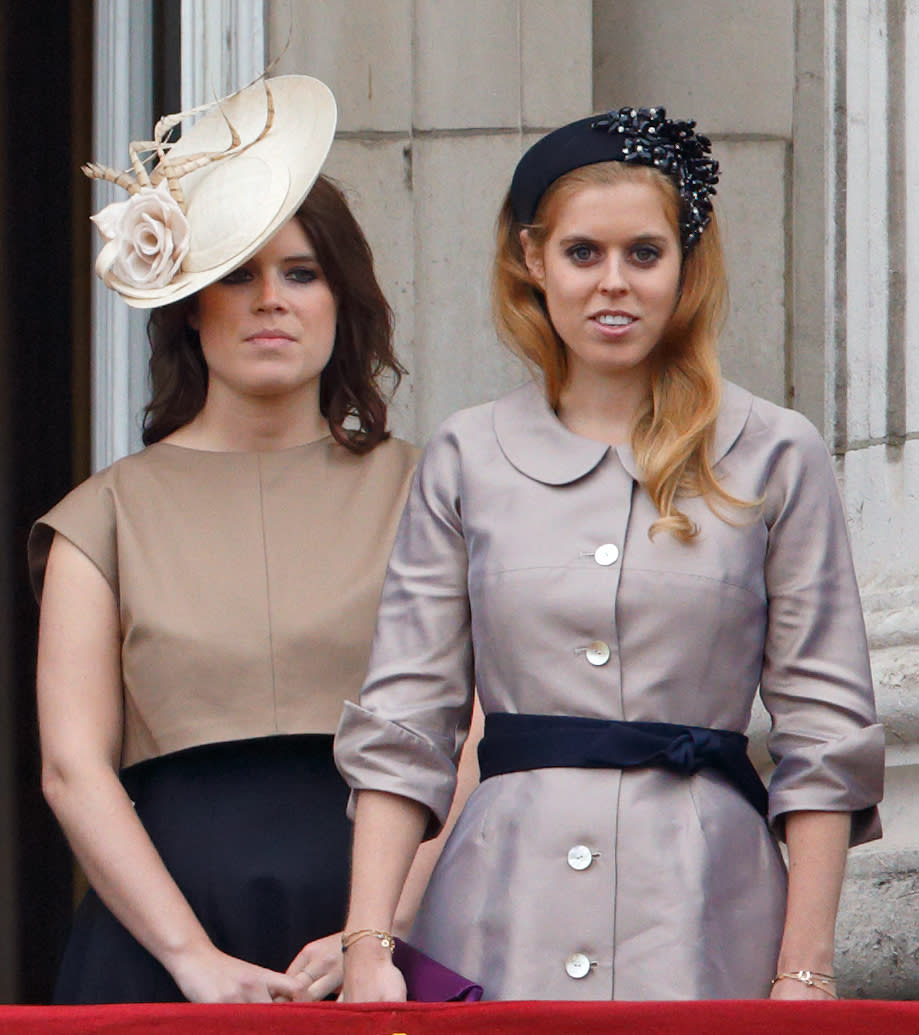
[
  {"x": 238, "y": 276},
  {"x": 302, "y": 274}
]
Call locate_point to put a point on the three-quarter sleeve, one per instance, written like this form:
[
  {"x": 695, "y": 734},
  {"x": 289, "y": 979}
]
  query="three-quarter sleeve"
[
  {"x": 405, "y": 735},
  {"x": 816, "y": 681},
  {"x": 86, "y": 517}
]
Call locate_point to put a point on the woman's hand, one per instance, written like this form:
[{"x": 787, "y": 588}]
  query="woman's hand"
[
  {"x": 211, "y": 976},
  {"x": 370, "y": 975},
  {"x": 319, "y": 968}
]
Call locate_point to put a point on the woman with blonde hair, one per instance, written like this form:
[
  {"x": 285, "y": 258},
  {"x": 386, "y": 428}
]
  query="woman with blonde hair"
[{"x": 617, "y": 555}]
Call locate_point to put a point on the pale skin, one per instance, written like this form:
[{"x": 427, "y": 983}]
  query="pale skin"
[
  {"x": 266, "y": 333},
  {"x": 610, "y": 272},
  {"x": 817, "y": 846}
]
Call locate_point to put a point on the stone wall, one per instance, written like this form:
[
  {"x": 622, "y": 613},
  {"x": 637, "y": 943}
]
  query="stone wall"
[
  {"x": 438, "y": 99},
  {"x": 645, "y": 55},
  {"x": 872, "y": 362}
]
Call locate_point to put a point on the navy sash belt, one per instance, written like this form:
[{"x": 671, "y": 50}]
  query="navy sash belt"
[{"x": 513, "y": 743}]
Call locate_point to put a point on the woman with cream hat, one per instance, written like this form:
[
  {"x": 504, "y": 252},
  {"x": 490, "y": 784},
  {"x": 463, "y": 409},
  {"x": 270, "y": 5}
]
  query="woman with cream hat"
[{"x": 207, "y": 604}]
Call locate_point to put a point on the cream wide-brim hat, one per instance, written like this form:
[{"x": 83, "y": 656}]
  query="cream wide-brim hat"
[{"x": 233, "y": 205}]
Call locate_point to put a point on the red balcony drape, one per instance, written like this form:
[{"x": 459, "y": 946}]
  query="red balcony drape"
[{"x": 543, "y": 1018}]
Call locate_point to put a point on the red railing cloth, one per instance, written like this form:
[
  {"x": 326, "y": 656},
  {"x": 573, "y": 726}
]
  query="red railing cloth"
[{"x": 542, "y": 1018}]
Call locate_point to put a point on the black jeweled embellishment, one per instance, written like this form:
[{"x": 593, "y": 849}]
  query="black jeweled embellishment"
[{"x": 676, "y": 149}]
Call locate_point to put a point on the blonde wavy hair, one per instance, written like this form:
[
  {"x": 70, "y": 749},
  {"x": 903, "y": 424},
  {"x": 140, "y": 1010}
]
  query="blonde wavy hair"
[{"x": 673, "y": 432}]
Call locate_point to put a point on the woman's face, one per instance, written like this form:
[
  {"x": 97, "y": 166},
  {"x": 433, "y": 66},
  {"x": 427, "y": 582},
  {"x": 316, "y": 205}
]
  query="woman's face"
[
  {"x": 610, "y": 272},
  {"x": 268, "y": 327}
]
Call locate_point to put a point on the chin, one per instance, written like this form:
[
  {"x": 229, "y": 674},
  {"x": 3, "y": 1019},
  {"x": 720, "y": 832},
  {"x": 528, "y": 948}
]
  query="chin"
[
  {"x": 272, "y": 389},
  {"x": 619, "y": 366}
]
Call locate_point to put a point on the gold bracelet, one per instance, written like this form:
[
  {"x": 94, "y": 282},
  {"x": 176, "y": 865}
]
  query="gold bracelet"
[
  {"x": 385, "y": 938},
  {"x": 811, "y": 978}
]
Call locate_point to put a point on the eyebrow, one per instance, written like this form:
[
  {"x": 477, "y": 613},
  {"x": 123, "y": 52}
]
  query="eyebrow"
[
  {"x": 644, "y": 238},
  {"x": 307, "y": 257}
]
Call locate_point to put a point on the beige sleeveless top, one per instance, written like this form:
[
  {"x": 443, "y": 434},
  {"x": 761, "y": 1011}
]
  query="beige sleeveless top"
[{"x": 247, "y": 583}]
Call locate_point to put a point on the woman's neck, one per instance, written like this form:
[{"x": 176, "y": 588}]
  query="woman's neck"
[
  {"x": 252, "y": 424},
  {"x": 603, "y": 408}
]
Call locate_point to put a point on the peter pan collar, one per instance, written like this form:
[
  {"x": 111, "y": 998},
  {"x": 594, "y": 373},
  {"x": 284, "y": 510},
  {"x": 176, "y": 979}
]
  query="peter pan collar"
[{"x": 536, "y": 442}]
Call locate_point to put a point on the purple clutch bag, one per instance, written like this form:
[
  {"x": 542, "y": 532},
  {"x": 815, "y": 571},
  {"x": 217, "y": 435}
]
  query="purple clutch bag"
[{"x": 427, "y": 981}]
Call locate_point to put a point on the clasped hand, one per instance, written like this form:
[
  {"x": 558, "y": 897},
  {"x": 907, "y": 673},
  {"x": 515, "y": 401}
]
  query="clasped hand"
[
  {"x": 207, "y": 975},
  {"x": 318, "y": 967}
]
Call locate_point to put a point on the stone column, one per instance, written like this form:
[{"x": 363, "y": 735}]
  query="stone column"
[
  {"x": 437, "y": 100},
  {"x": 872, "y": 366}
]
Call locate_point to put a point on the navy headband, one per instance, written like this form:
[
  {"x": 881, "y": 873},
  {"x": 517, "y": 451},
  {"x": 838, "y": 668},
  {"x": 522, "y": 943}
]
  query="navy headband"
[{"x": 643, "y": 136}]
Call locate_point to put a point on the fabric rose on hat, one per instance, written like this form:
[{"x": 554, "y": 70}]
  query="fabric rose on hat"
[{"x": 150, "y": 236}]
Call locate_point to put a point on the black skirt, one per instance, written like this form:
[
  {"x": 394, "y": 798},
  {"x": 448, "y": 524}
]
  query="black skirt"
[{"x": 255, "y": 835}]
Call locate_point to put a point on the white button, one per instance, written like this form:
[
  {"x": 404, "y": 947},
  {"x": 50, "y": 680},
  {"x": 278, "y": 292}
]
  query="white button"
[
  {"x": 580, "y": 857},
  {"x": 598, "y": 653},
  {"x": 606, "y": 554},
  {"x": 577, "y": 965}
]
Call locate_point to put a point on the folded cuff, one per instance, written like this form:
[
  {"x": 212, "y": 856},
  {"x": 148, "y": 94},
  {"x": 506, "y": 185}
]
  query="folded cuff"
[
  {"x": 376, "y": 754},
  {"x": 842, "y": 775}
]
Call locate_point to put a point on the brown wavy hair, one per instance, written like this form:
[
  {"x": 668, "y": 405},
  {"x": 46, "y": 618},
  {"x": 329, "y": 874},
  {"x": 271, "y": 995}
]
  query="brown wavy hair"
[
  {"x": 351, "y": 396},
  {"x": 673, "y": 432}
]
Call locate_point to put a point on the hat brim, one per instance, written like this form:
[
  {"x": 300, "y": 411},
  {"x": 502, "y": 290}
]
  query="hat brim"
[{"x": 235, "y": 205}]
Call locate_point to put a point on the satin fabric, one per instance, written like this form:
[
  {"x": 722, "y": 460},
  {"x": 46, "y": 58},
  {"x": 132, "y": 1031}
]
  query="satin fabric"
[{"x": 497, "y": 580}]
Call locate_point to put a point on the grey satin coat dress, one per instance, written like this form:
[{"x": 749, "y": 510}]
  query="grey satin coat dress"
[{"x": 523, "y": 567}]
